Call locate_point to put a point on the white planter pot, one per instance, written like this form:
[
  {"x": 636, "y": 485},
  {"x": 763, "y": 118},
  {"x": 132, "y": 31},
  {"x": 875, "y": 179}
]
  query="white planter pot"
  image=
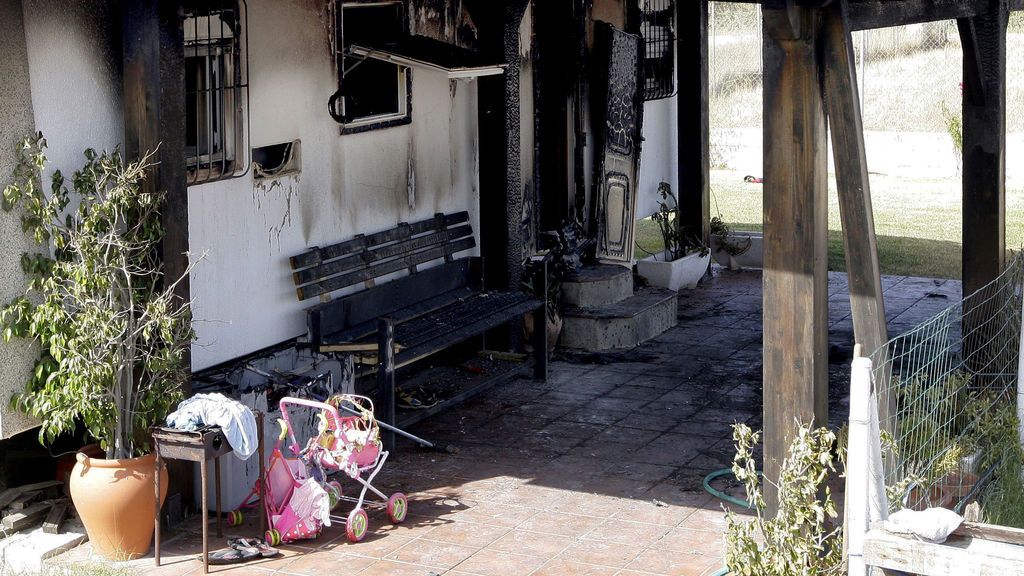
[
  {"x": 753, "y": 257},
  {"x": 676, "y": 274}
]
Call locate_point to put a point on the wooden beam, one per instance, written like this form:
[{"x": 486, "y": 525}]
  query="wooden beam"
[
  {"x": 847, "y": 128},
  {"x": 154, "y": 113},
  {"x": 961, "y": 556},
  {"x": 795, "y": 238},
  {"x": 974, "y": 68},
  {"x": 693, "y": 127},
  {"x": 870, "y": 14},
  {"x": 984, "y": 149}
]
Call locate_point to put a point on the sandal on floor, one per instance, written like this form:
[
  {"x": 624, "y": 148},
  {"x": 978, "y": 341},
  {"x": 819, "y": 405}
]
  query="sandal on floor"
[
  {"x": 259, "y": 545},
  {"x": 233, "y": 555}
]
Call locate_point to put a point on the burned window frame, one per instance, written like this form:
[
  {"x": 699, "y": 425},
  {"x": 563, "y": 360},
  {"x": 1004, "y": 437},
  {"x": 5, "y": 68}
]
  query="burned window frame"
[
  {"x": 216, "y": 106},
  {"x": 347, "y": 64},
  {"x": 658, "y": 30}
]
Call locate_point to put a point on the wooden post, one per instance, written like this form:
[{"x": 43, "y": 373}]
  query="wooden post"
[
  {"x": 860, "y": 248},
  {"x": 153, "y": 44},
  {"x": 795, "y": 235},
  {"x": 154, "y": 117},
  {"x": 984, "y": 146},
  {"x": 692, "y": 113}
]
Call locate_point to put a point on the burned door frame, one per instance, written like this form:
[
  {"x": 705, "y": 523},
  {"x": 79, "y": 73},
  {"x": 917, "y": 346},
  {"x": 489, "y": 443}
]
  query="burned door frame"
[{"x": 618, "y": 121}]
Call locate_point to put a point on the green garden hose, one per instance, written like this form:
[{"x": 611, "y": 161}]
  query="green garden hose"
[{"x": 723, "y": 496}]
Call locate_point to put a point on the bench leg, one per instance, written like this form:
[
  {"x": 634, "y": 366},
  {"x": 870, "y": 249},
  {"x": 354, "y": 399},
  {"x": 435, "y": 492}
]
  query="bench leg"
[
  {"x": 386, "y": 376},
  {"x": 540, "y": 325}
]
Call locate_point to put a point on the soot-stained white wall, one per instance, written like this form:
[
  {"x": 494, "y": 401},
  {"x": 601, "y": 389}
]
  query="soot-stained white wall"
[
  {"x": 74, "y": 54},
  {"x": 658, "y": 154},
  {"x": 244, "y": 298}
]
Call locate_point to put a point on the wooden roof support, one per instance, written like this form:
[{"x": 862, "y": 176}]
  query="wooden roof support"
[
  {"x": 693, "y": 131},
  {"x": 854, "y": 189},
  {"x": 795, "y": 234},
  {"x": 154, "y": 112},
  {"x": 984, "y": 146}
]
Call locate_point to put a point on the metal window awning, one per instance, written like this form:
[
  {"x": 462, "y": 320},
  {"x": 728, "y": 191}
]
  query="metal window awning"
[{"x": 423, "y": 52}]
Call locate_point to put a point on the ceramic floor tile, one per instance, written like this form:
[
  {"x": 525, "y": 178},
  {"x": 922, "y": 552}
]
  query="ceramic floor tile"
[
  {"x": 466, "y": 533},
  {"x": 441, "y": 555},
  {"x": 562, "y": 567},
  {"x": 323, "y": 563},
  {"x": 598, "y": 552},
  {"x": 489, "y": 562},
  {"x": 658, "y": 562},
  {"x": 531, "y": 543}
]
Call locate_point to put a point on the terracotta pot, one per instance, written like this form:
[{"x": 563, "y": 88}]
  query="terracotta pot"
[{"x": 115, "y": 500}]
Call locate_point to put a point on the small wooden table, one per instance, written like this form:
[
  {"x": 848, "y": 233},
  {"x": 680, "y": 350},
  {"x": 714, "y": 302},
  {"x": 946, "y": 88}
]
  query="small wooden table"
[{"x": 206, "y": 443}]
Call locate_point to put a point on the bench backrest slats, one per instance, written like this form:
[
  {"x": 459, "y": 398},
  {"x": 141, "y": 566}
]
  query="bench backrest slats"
[
  {"x": 333, "y": 317},
  {"x": 387, "y": 267},
  {"x": 360, "y": 243},
  {"x": 364, "y": 258}
]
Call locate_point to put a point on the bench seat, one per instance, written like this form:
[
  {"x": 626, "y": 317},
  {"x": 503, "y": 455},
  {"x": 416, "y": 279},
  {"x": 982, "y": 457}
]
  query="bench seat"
[{"x": 440, "y": 303}]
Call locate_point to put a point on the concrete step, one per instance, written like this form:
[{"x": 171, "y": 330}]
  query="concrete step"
[
  {"x": 624, "y": 324},
  {"x": 598, "y": 285}
]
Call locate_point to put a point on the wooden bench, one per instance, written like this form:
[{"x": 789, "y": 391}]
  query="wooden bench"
[{"x": 412, "y": 317}]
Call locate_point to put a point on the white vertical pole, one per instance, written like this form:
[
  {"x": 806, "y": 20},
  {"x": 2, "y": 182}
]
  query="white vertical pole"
[
  {"x": 857, "y": 464},
  {"x": 1020, "y": 381}
]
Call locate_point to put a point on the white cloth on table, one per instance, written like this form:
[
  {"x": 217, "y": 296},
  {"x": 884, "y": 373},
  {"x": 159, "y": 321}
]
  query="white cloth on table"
[{"x": 233, "y": 417}]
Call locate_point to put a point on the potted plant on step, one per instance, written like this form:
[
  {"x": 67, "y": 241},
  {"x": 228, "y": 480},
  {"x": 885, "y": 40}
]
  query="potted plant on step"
[
  {"x": 685, "y": 258},
  {"x": 112, "y": 334}
]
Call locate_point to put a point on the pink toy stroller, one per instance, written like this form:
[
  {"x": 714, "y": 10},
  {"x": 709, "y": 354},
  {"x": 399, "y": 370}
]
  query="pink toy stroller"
[
  {"x": 294, "y": 503},
  {"x": 349, "y": 444}
]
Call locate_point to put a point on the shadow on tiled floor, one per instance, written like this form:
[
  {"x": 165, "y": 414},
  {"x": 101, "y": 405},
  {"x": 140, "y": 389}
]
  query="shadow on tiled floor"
[{"x": 598, "y": 470}]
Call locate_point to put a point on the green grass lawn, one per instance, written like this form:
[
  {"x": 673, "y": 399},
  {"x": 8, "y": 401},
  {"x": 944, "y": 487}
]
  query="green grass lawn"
[{"x": 918, "y": 221}]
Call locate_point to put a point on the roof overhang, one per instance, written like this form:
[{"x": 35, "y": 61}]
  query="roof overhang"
[{"x": 422, "y": 52}]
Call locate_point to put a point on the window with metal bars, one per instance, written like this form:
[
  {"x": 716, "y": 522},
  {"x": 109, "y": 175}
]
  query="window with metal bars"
[
  {"x": 657, "y": 27},
  {"x": 216, "y": 90}
]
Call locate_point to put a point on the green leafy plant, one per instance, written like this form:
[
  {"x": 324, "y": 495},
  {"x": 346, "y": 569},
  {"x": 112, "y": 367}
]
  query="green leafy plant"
[
  {"x": 112, "y": 333},
  {"x": 678, "y": 240},
  {"x": 798, "y": 540},
  {"x": 996, "y": 435},
  {"x": 955, "y": 128}
]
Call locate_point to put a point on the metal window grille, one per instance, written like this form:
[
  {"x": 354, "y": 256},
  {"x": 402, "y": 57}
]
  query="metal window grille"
[
  {"x": 657, "y": 27},
  {"x": 216, "y": 90}
]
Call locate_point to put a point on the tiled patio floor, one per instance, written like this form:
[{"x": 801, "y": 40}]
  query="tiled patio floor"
[{"x": 598, "y": 471}]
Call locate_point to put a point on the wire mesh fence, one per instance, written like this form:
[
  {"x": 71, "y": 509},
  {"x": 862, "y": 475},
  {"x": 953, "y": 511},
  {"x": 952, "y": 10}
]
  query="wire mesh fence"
[
  {"x": 948, "y": 396},
  {"x": 909, "y": 78}
]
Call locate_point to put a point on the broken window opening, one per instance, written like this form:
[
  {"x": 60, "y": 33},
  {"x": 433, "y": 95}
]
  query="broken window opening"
[
  {"x": 373, "y": 93},
  {"x": 277, "y": 159},
  {"x": 657, "y": 26},
  {"x": 216, "y": 89}
]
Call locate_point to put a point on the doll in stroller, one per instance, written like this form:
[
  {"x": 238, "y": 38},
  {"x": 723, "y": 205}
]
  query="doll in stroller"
[{"x": 299, "y": 492}]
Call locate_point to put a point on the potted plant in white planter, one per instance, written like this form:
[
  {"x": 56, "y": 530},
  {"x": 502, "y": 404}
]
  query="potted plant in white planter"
[
  {"x": 685, "y": 258},
  {"x": 733, "y": 249},
  {"x": 112, "y": 335}
]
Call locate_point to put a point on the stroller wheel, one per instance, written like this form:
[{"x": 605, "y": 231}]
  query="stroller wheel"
[
  {"x": 235, "y": 518},
  {"x": 355, "y": 527},
  {"x": 334, "y": 493},
  {"x": 273, "y": 537},
  {"x": 398, "y": 507}
]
